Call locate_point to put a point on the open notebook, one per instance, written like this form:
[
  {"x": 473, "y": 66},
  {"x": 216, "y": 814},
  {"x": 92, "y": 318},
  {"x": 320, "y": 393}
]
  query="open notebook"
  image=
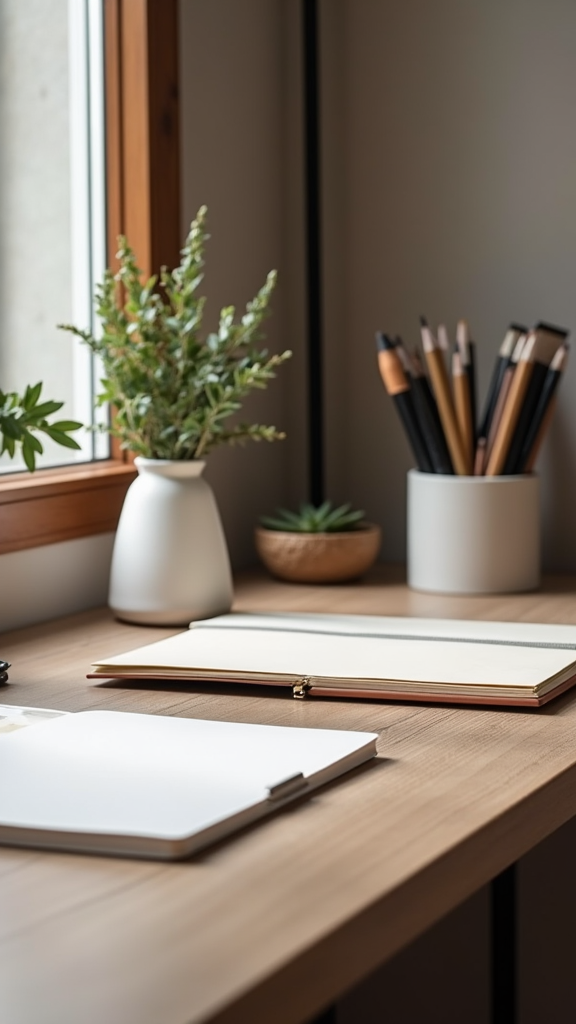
[
  {"x": 365, "y": 656},
  {"x": 154, "y": 786}
]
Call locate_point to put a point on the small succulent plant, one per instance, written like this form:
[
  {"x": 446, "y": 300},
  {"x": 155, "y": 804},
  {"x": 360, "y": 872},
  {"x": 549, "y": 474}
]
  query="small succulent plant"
[{"x": 314, "y": 519}]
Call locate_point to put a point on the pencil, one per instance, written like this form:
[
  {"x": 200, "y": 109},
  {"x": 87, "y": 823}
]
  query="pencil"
[
  {"x": 398, "y": 387},
  {"x": 472, "y": 383},
  {"x": 548, "y": 340},
  {"x": 467, "y": 355},
  {"x": 501, "y": 365},
  {"x": 427, "y": 412},
  {"x": 535, "y": 349},
  {"x": 420, "y": 373},
  {"x": 441, "y": 389},
  {"x": 503, "y": 395},
  {"x": 498, "y": 410},
  {"x": 543, "y": 411},
  {"x": 462, "y": 403},
  {"x": 443, "y": 342}
]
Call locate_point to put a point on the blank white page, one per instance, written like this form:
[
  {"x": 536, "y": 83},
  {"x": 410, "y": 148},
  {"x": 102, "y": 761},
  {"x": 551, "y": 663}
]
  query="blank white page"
[
  {"x": 363, "y": 647},
  {"x": 113, "y": 774}
]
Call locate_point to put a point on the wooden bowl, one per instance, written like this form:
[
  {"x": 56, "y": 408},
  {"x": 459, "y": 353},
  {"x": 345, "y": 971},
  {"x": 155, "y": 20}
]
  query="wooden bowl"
[{"x": 318, "y": 557}]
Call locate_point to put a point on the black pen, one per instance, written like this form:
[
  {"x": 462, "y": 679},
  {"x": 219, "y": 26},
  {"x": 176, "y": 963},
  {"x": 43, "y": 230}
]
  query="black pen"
[
  {"x": 472, "y": 383},
  {"x": 548, "y": 340},
  {"x": 426, "y": 411},
  {"x": 398, "y": 387},
  {"x": 542, "y": 411},
  {"x": 514, "y": 332}
]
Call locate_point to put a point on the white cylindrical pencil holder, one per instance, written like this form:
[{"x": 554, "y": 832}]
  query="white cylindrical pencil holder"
[{"x": 473, "y": 534}]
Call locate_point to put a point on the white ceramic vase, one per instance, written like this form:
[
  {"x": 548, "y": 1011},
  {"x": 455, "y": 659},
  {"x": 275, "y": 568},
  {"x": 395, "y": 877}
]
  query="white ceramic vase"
[{"x": 170, "y": 562}]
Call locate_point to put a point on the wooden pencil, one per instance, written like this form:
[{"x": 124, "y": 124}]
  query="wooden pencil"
[
  {"x": 498, "y": 410},
  {"x": 514, "y": 332},
  {"x": 461, "y": 384},
  {"x": 441, "y": 388},
  {"x": 502, "y": 397},
  {"x": 419, "y": 373},
  {"x": 512, "y": 408},
  {"x": 467, "y": 351},
  {"x": 443, "y": 342},
  {"x": 548, "y": 340}
]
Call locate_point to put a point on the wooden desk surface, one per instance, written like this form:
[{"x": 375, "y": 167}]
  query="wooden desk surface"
[{"x": 280, "y": 920}]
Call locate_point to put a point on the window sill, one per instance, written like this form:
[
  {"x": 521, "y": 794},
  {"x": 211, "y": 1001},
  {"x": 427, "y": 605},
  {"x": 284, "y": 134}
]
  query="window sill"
[{"x": 54, "y": 505}]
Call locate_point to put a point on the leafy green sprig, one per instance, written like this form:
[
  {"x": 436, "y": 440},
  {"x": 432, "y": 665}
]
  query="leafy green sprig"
[
  {"x": 173, "y": 393},
  {"x": 21, "y": 416},
  {"x": 312, "y": 519}
]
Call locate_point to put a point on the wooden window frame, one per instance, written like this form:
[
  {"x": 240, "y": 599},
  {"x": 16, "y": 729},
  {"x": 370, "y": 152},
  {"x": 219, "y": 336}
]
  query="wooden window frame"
[{"x": 143, "y": 202}]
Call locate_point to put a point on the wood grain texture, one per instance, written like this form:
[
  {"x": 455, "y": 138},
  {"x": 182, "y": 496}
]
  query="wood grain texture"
[
  {"x": 57, "y": 505},
  {"x": 150, "y": 134},
  {"x": 164, "y": 132},
  {"x": 114, "y": 127},
  {"x": 278, "y": 921}
]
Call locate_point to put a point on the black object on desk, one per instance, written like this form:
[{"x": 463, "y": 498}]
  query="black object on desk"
[{"x": 4, "y": 666}]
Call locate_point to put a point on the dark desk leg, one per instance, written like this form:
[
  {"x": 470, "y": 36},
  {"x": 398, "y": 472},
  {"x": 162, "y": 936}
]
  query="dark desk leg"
[
  {"x": 327, "y": 1017},
  {"x": 504, "y": 952}
]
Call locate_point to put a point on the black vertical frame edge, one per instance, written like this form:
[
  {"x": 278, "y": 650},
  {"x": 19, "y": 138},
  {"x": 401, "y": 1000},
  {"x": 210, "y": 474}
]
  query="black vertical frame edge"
[
  {"x": 503, "y": 942},
  {"x": 313, "y": 243}
]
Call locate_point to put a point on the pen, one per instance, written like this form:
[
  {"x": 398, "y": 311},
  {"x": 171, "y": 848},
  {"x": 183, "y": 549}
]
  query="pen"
[
  {"x": 441, "y": 388},
  {"x": 514, "y": 332},
  {"x": 462, "y": 404},
  {"x": 543, "y": 411},
  {"x": 503, "y": 395},
  {"x": 398, "y": 387},
  {"x": 426, "y": 411},
  {"x": 548, "y": 340},
  {"x": 472, "y": 383},
  {"x": 511, "y": 408}
]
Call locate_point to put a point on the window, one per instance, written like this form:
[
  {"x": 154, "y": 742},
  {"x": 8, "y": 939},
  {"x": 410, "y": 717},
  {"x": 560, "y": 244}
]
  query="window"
[
  {"x": 52, "y": 205},
  {"x": 142, "y": 162}
]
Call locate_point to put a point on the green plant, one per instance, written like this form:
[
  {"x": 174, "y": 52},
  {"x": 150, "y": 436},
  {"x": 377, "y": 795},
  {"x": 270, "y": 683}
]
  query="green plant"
[
  {"x": 21, "y": 415},
  {"x": 172, "y": 392},
  {"x": 311, "y": 519}
]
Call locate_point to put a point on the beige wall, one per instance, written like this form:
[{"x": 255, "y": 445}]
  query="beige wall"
[
  {"x": 56, "y": 579},
  {"x": 448, "y": 162},
  {"x": 240, "y": 138},
  {"x": 455, "y": 160}
]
